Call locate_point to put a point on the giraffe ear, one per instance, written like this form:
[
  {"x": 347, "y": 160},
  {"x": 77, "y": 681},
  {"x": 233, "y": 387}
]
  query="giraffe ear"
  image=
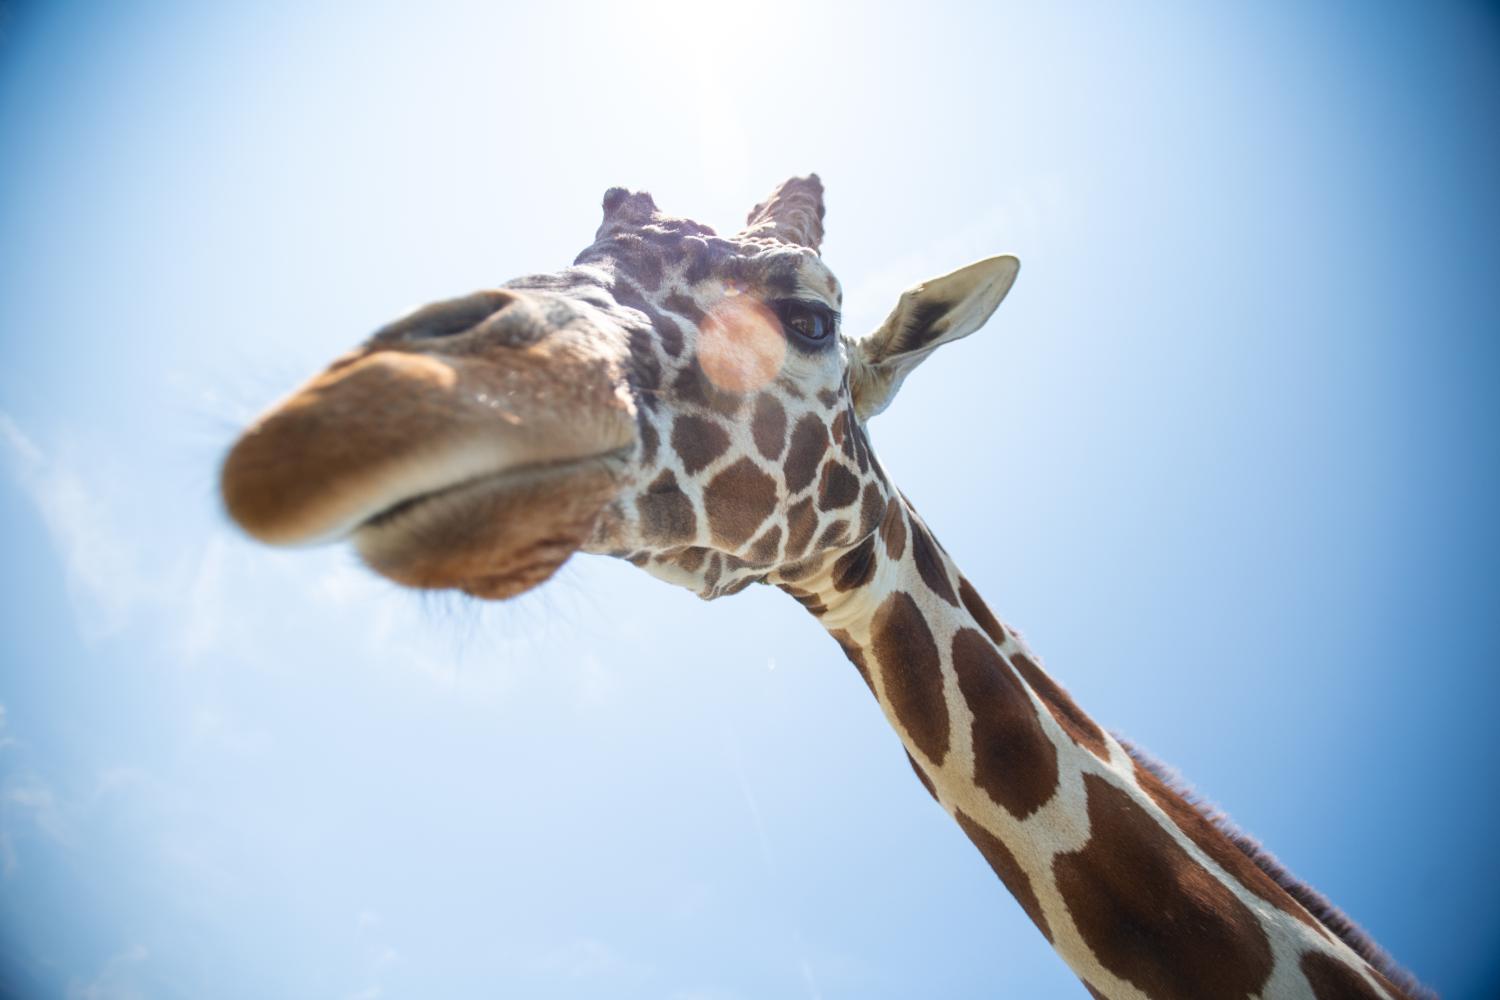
[{"x": 927, "y": 316}]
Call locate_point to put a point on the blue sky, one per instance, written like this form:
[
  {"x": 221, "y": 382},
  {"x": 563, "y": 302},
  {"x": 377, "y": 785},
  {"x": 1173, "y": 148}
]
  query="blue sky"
[{"x": 1226, "y": 455}]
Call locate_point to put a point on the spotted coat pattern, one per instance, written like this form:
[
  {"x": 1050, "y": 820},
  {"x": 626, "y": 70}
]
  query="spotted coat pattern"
[
  {"x": 750, "y": 462},
  {"x": 1136, "y": 890}
]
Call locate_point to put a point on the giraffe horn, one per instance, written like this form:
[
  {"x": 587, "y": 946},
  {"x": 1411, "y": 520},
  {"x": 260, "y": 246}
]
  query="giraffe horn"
[{"x": 793, "y": 213}]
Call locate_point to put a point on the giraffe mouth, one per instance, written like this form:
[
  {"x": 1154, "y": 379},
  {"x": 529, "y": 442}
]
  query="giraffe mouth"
[
  {"x": 396, "y": 450},
  {"x": 492, "y": 536}
]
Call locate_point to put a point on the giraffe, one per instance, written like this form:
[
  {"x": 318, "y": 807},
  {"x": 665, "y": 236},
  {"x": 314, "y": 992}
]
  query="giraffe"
[{"x": 689, "y": 402}]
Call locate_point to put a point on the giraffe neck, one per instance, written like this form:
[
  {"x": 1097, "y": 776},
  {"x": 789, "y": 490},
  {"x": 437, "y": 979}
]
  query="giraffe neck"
[{"x": 1137, "y": 891}]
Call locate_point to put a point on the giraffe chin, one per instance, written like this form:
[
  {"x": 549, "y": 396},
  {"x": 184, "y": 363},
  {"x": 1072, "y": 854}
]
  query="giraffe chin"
[{"x": 493, "y": 537}]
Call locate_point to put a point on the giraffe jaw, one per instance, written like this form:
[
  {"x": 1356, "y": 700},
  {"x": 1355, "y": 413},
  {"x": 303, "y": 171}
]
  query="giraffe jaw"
[{"x": 494, "y": 536}]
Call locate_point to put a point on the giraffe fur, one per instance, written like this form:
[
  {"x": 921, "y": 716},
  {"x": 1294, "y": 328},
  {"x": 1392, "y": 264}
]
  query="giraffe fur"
[{"x": 689, "y": 402}]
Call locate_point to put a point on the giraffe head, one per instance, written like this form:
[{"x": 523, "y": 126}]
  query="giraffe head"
[{"x": 683, "y": 400}]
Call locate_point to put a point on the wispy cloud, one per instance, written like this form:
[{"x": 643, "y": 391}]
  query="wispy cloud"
[
  {"x": 212, "y": 727},
  {"x": 204, "y": 605},
  {"x": 594, "y": 683},
  {"x": 28, "y": 805},
  {"x": 379, "y": 957},
  {"x": 102, "y": 566},
  {"x": 732, "y": 749},
  {"x": 205, "y": 594},
  {"x": 804, "y": 966},
  {"x": 114, "y": 981},
  {"x": 588, "y": 958}
]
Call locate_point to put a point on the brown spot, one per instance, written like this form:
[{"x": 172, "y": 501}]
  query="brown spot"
[
  {"x": 854, "y": 653},
  {"x": 840, "y": 427},
  {"x": 925, "y": 553},
  {"x": 691, "y": 386},
  {"x": 1014, "y": 761},
  {"x": 817, "y": 608},
  {"x": 1212, "y": 841},
  {"x": 1083, "y": 730},
  {"x": 871, "y": 506},
  {"x": 834, "y": 535},
  {"x": 628, "y": 296},
  {"x": 645, "y": 264},
  {"x": 801, "y": 522},
  {"x": 671, "y": 335},
  {"x": 740, "y": 584},
  {"x": 911, "y": 673},
  {"x": 893, "y": 529},
  {"x": 1331, "y": 979},
  {"x": 649, "y": 440},
  {"x": 735, "y": 563},
  {"x": 801, "y": 569},
  {"x": 683, "y": 306},
  {"x": 764, "y": 551},
  {"x": 768, "y": 425},
  {"x": 665, "y": 511},
  {"x": 737, "y": 501},
  {"x": 980, "y": 611},
  {"x": 714, "y": 571},
  {"x": 923, "y": 778},
  {"x": 1010, "y": 871},
  {"x": 838, "y": 488},
  {"x": 688, "y": 386},
  {"x": 809, "y": 442},
  {"x": 692, "y": 558},
  {"x": 645, "y": 369},
  {"x": 1150, "y": 914},
  {"x": 698, "y": 441},
  {"x": 828, "y": 397},
  {"x": 861, "y": 448},
  {"x": 856, "y": 567}
]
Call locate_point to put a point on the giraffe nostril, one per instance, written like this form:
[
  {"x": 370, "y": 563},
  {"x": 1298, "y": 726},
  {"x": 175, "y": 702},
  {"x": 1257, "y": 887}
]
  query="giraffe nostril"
[{"x": 448, "y": 318}]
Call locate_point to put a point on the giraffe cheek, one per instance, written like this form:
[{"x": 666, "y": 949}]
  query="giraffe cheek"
[{"x": 740, "y": 346}]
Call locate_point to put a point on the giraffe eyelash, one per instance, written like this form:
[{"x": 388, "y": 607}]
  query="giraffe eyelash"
[{"x": 807, "y": 323}]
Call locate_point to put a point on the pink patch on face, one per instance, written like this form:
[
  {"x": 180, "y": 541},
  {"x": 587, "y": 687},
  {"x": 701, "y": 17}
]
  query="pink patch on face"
[{"x": 740, "y": 345}]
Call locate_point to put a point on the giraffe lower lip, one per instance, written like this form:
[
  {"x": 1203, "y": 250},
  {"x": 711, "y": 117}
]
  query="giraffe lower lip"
[
  {"x": 492, "y": 536},
  {"x": 396, "y": 510}
]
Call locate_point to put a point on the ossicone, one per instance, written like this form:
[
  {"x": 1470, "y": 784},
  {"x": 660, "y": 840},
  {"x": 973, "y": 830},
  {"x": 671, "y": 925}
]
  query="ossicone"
[{"x": 792, "y": 214}]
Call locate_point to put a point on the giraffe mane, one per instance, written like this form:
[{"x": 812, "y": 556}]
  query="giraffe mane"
[{"x": 1330, "y": 916}]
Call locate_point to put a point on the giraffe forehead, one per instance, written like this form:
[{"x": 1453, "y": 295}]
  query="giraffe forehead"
[{"x": 658, "y": 252}]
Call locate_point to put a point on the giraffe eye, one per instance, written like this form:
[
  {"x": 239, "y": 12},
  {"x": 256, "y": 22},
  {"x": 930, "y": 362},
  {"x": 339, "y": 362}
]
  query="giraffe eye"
[{"x": 809, "y": 322}]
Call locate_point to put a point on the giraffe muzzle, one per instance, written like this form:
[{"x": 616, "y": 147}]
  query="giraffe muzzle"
[{"x": 479, "y": 472}]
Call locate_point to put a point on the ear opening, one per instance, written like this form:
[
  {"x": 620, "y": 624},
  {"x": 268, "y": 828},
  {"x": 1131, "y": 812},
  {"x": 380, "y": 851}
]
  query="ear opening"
[{"x": 927, "y": 316}]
